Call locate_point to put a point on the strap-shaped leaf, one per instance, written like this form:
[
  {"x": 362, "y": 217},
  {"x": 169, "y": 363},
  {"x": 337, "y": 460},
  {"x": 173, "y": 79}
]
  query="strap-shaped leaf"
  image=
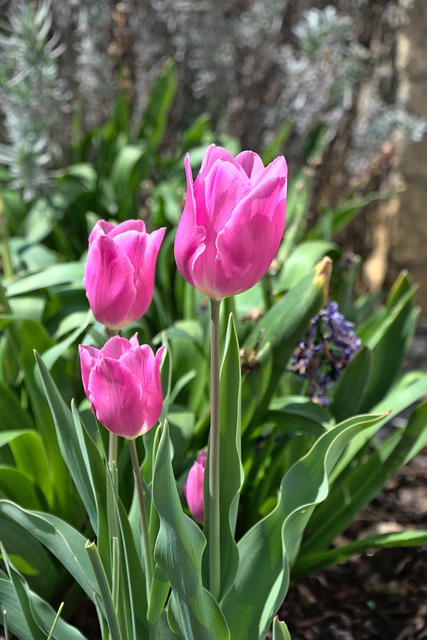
[
  {"x": 193, "y": 612},
  {"x": 278, "y": 332},
  {"x": 42, "y": 613},
  {"x": 359, "y": 484},
  {"x": 280, "y": 630},
  {"x": 316, "y": 561},
  {"x": 72, "y": 444},
  {"x": 350, "y": 388},
  {"x": 65, "y": 542},
  {"x": 270, "y": 547}
]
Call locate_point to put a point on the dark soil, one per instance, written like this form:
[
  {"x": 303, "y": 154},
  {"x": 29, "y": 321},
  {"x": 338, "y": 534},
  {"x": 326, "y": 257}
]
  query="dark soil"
[{"x": 381, "y": 595}]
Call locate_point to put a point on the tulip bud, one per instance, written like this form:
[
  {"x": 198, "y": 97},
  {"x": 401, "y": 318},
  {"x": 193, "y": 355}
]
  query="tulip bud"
[
  {"x": 232, "y": 223},
  {"x": 122, "y": 383},
  {"x": 193, "y": 489},
  {"x": 119, "y": 271}
]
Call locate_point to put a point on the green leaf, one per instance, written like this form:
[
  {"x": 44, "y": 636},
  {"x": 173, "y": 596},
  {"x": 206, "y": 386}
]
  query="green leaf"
[
  {"x": 22, "y": 593},
  {"x": 388, "y": 349},
  {"x": 71, "y": 443},
  {"x": 349, "y": 390},
  {"x": 280, "y": 630},
  {"x": 126, "y": 173},
  {"x": 301, "y": 262},
  {"x": 104, "y": 591},
  {"x": 42, "y": 613},
  {"x": 313, "y": 562},
  {"x": 406, "y": 391},
  {"x": 65, "y": 542},
  {"x": 293, "y": 415},
  {"x": 358, "y": 485},
  {"x": 193, "y": 612},
  {"x": 160, "y": 101},
  {"x": 57, "y": 274},
  {"x": 31, "y": 559},
  {"x": 50, "y": 356},
  {"x": 13, "y": 415},
  {"x": 30, "y": 457},
  {"x": 18, "y": 486},
  {"x": 278, "y": 333},
  {"x": 269, "y": 549}
]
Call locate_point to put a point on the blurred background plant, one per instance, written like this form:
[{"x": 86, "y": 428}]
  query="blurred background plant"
[{"x": 96, "y": 119}]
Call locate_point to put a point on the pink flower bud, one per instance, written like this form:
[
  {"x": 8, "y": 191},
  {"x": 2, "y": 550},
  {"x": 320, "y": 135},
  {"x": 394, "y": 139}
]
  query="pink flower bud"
[
  {"x": 193, "y": 489},
  {"x": 232, "y": 222},
  {"x": 122, "y": 383},
  {"x": 119, "y": 271}
]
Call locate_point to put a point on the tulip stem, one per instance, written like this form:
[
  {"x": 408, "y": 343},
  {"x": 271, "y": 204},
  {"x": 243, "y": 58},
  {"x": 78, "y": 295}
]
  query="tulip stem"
[
  {"x": 214, "y": 457},
  {"x": 113, "y": 445},
  {"x": 148, "y": 558}
]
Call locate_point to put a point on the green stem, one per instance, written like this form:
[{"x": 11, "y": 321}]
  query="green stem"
[
  {"x": 148, "y": 558},
  {"x": 113, "y": 445},
  {"x": 214, "y": 458}
]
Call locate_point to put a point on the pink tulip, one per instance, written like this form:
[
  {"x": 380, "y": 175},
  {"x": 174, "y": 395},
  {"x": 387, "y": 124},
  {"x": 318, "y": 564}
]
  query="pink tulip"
[
  {"x": 193, "y": 489},
  {"x": 232, "y": 222},
  {"x": 119, "y": 272},
  {"x": 122, "y": 383}
]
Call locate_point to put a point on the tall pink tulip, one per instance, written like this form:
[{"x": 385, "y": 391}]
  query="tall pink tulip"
[
  {"x": 232, "y": 222},
  {"x": 119, "y": 271},
  {"x": 193, "y": 489},
  {"x": 122, "y": 383}
]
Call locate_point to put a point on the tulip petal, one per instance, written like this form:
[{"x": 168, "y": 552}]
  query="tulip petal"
[
  {"x": 109, "y": 283},
  {"x": 194, "y": 488},
  {"x": 251, "y": 164},
  {"x": 225, "y": 186},
  {"x": 190, "y": 236},
  {"x": 115, "y": 393},
  {"x": 144, "y": 277},
  {"x": 213, "y": 154},
  {"x": 250, "y": 239},
  {"x": 154, "y": 393},
  {"x": 88, "y": 358},
  {"x": 127, "y": 225},
  {"x": 102, "y": 228},
  {"x": 116, "y": 347}
]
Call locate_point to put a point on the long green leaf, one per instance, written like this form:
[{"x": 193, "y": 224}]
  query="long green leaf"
[
  {"x": 42, "y": 613},
  {"x": 22, "y": 593},
  {"x": 350, "y": 388},
  {"x": 57, "y": 274},
  {"x": 311, "y": 563},
  {"x": 388, "y": 350},
  {"x": 193, "y": 612},
  {"x": 71, "y": 442},
  {"x": 12, "y": 414},
  {"x": 65, "y": 542},
  {"x": 403, "y": 394},
  {"x": 104, "y": 591},
  {"x": 31, "y": 558},
  {"x": 362, "y": 483},
  {"x": 269, "y": 549},
  {"x": 280, "y": 630},
  {"x": 278, "y": 333}
]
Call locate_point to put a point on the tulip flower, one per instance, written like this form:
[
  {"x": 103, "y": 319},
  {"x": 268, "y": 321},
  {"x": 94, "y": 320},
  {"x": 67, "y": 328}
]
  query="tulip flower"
[
  {"x": 232, "y": 222},
  {"x": 119, "y": 272},
  {"x": 193, "y": 488},
  {"x": 122, "y": 383}
]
